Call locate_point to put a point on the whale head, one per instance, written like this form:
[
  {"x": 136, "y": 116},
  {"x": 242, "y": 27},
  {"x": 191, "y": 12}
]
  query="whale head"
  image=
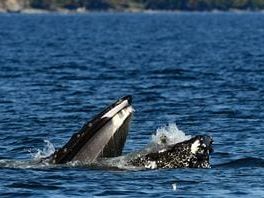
[{"x": 192, "y": 153}]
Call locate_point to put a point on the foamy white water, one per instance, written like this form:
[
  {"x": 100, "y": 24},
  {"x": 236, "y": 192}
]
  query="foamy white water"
[
  {"x": 45, "y": 152},
  {"x": 172, "y": 134}
]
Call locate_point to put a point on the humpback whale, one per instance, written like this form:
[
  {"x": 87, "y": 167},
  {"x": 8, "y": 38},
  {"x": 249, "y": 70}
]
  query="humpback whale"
[{"x": 101, "y": 141}]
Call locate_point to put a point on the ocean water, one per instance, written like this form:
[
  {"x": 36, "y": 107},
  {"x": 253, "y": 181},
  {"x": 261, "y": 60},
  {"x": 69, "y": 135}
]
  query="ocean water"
[{"x": 201, "y": 71}]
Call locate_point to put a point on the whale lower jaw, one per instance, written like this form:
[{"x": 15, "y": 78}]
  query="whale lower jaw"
[
  {"x": 103, "y": 136},
  {"x": 193, "y": 153},
  {"x": 109, "y": 140}
]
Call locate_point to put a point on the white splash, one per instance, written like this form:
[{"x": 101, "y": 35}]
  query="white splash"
[
  {"x": 151, "y": 165},
  {"x": 45, "y": 152},
  {"x": 74, "y": 163},
  {"x": 171, "y": 134},
  {"x": 174, "y": 187}
]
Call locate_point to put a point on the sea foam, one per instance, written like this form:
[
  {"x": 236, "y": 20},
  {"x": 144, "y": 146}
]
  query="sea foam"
[{"x": 172, "y": 134}]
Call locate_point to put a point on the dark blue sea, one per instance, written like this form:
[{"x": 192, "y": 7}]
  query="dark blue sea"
[{"x": 201, "y": 71}]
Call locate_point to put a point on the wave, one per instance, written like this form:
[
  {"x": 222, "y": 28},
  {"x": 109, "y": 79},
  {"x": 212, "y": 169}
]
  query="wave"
[
  {"x": 243, "y": 162},
  {"x": 45, "y": 152},
  {"x": 34, "y": 162}
]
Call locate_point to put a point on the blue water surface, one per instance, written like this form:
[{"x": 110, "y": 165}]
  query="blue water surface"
[{"x": 203, "y": 71}]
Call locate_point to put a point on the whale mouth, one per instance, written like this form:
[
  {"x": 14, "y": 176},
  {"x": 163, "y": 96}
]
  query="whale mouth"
[{"x": 103, "y": 136}]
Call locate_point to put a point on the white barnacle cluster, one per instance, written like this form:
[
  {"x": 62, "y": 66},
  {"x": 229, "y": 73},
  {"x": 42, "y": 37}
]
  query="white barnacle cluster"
[{"x": 151, "y": 165}]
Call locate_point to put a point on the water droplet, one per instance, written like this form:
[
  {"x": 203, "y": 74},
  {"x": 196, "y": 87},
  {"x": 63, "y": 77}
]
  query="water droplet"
[{"x": 174, "y": 187}]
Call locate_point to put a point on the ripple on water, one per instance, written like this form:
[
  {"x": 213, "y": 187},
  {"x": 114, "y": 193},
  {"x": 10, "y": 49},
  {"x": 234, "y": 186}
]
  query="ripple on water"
[{"x": 193, "y": 69}]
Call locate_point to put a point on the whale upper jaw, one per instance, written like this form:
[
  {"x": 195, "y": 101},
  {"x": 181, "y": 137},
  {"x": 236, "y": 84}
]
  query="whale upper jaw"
[
  {"x": 103, "y": 136},
  {"x": 193, "y": 153}
]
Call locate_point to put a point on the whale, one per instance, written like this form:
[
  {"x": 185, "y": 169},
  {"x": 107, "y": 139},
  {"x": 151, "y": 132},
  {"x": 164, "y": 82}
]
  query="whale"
[
  {"x": 103, "y": 136},
  {"x": 101, "y": 140},
  {"x": 192, "y": 153}
]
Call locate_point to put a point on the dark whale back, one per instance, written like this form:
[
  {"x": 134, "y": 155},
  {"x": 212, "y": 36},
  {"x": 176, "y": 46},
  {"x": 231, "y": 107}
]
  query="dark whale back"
[{"x": 193, "y": 153}]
